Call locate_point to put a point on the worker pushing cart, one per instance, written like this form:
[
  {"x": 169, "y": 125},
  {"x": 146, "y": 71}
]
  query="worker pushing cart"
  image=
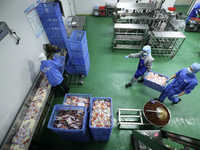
[{"x": 145, "y": 64}]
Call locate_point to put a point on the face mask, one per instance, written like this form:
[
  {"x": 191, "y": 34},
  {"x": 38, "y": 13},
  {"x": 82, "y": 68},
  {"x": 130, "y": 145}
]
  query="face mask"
[
  {"x": 189, "y": 71},
  {"x": 145, "y": 54}
]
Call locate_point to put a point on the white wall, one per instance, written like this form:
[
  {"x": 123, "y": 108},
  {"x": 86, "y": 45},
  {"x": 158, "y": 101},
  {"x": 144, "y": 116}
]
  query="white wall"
[
  {"x": 19, "y": 63},
  {"x": 86, "y": 6}
]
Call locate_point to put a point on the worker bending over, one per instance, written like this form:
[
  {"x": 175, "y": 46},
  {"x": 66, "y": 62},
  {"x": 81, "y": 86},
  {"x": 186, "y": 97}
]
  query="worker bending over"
[
  {"x": 54, "y": 76},
  {"x": 184, "y": 82},
  {"x": 145, "y": 64}
]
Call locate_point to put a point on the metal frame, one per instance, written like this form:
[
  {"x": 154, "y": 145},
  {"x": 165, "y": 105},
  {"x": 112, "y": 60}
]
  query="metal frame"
[
  {"x": 166, "y": 43},
  {"x": 147, "y": 140},
  {"x": 130, "y": 122},
  {"x": 128, "y": 34}
]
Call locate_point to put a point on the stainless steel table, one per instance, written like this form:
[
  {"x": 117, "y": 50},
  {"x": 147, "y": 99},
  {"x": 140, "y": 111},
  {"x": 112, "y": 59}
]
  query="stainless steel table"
[
  {"x": 81, "y": 20},
  {"x": 135, "y": 5}
]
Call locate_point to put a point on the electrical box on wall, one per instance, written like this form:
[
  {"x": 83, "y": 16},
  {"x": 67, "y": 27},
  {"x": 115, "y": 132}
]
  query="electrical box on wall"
[{"x": 4, "y": 30}]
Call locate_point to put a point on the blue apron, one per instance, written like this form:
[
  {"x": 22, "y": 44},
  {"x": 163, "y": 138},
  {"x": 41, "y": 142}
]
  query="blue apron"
[{"x": 141, "y": 69}]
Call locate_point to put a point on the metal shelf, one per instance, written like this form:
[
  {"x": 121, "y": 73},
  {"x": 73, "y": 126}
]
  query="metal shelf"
[
  {"x": 128, "y": 38},
  {"x": 166, "y": 43},
  {"x": 120, "y": 46},
  {"x": 132, "y": 36}
]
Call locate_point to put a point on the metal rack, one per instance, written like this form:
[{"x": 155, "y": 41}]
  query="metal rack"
[
  {"x": 129, "y": 36},
  {"x": 131, "y": 119},
  {"x": 166, "y": 43}
]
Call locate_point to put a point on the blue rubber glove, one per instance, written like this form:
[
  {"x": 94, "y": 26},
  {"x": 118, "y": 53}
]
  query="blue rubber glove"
[
  {"x": 175, "y": 96},
  {"x": 126, "y": 56},
  {"x": 167, "y": 80}
]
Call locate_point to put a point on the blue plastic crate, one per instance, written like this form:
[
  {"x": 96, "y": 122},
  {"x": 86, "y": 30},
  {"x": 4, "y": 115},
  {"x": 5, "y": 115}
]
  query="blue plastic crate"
[
  {"x": 83, "y": 139},
  {"x": 48, "y": 10},
  {"x": 78, "y": 40},
  {"x": 80, "y": 53},
  {"x": 70, "y": 68},
  {"x": 81, "y": 61},
  {"x": 85, "y": 73},
  {"x": 78, "y": 95},
  {"x": 83, "y": 67},
  {"x": 154, "y": 85},
  {"x": 62, "y": 61},
  {"x": 68, "y": 132},
  {"x": 101, "y": 133}
]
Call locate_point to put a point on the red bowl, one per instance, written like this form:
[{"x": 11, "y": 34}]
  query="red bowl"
[{"x": 171, "y": 8}]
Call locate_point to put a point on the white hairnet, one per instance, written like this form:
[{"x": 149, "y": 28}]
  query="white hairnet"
[{"x": 195, "y": 67}]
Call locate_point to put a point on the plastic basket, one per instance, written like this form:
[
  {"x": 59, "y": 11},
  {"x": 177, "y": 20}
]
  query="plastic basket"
[
  {"x": 83, "y": 139},
  {"x": 85, "y": 73},
  {"x": 78, "y": 40},
  {"x": 80, "y": 53},
  {"x": 154, "y": 85},
  {"x": 101, "y": 133},
  {"x": 62, "y": 61},
  {"x": 81, "y": 61},
  {"x": 78, "y": 95},
  {"x": 70, "y": 68},
  {"x": 83, "y": 67},
  {"x": 48, "y": 10},
  {"x": 67, "y": 132},
  {"x": 102, "y": 7}
]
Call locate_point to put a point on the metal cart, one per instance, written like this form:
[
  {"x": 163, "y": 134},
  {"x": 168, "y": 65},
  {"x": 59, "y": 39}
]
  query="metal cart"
[
  {"x": 74, "y": 78},
  {"x": 166, "y": 43},
  {"x": 129, "y": 36}
]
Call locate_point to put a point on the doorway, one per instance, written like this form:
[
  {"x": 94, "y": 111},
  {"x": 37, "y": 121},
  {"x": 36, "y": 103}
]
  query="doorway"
[
  {"x": 182, "y": 5},
  {"x": 72, "y": 7}
]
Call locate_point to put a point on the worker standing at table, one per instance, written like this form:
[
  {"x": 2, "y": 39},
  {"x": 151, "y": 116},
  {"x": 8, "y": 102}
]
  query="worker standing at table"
[
  {"x": 54, "y": 76},
  {"x": 145, "y": 64},
  {"x": 184, "y": 82}
]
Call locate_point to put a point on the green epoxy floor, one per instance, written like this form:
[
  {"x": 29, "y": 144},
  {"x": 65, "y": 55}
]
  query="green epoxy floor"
[{"x": 109, "y": 72}]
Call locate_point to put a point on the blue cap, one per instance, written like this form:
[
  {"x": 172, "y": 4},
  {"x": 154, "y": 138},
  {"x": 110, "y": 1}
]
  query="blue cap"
[
  {"x": 195, "y": 67},
  {"x": 147, "y": 49}
]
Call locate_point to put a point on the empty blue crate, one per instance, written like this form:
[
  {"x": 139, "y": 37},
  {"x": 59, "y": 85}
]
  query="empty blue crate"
[
  {"x": 83, "y": 67},
  {"x": 78, "y": 40},
  {"x": 101, "y": 133},
  {"x": 81, "y": 61},
  {"x": 70, "y": 68},
  {"x": 80, "y": 53},
  {"x": 88, "y": 96},
  {"x": 86, "y": 72},
  {"x": 62, "y": 62},
  {"x": 152, "y": 83},
  {"x": 48, "y": 10},
  {"x": 68, "y": 132}
]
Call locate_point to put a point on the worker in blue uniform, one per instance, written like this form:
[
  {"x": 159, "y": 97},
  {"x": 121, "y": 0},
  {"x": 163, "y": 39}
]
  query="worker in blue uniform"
[
  {"x": 195, "y": 12},
  {"x": 145, "y": 64},
  {"x": 184, "y": 82},
  {"x": 54, "y": 76}
]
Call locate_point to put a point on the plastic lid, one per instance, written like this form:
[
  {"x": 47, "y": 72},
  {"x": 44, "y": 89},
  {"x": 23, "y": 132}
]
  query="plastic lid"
[{"x": 171, "y": 8}]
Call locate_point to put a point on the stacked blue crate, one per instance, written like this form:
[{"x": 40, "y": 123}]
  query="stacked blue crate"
[
  {"x": 79, "y": 52},
  {"x": 74, "y": 135},
  {"x": 53, "y": 24}
]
